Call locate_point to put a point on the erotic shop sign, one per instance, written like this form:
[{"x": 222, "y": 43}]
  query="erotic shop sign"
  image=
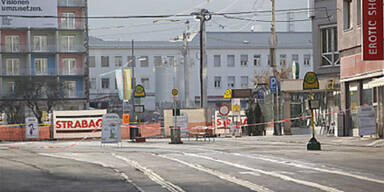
[{"x": 372, "y": 30}]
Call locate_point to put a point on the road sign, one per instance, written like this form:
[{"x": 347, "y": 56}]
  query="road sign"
[
  {"x": 110, "y": 132},
  {"x": 175, "y": 92},
  {"x": 310, "y": 81},
  {"x": 139, "y": 91},
  {"x": 224, "y": 110},
  {"x": 273, "y": 84},
  {"x": 31, "y": 128},
  {"x": 236, "y": 107},
  {"x": 138, "y": 109},
  {"x": 241, "y": 93},
  {"x": 260, "y": 93},
  {"x": 228, "y": 94}
]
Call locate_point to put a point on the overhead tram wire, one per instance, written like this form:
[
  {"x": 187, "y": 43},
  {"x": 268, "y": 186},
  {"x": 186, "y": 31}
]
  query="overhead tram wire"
[{"x": 166, "y": 16}]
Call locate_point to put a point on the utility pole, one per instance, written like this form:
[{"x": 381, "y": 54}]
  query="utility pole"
[
  {"x": 187, "y": 102},
  {"x": 275, "y": 73},
  {"x": 204, "y": 16}
]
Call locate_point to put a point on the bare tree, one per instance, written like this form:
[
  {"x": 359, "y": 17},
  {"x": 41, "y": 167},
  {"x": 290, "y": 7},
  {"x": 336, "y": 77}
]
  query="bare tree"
[
  {"x": 14, "y": 111},
  {"x": 38, "y": 93}
]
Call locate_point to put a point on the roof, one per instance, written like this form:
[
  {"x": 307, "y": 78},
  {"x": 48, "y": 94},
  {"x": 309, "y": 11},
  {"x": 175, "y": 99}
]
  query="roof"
[
  {"x": 99, "y": 43},
  {"x": 217, "y": 40},
  {"x": 255, "y": 40}
]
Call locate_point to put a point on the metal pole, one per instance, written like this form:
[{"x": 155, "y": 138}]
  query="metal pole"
[
  {"x": 187, "y": 103},
  {"x": 312, "y": 118},
  {"x": 139, "y": 119},
  {"x": 133, "y": 81}
]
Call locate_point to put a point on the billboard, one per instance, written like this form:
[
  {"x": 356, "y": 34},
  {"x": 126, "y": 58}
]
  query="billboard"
[
  {"x": 77, "y": 124},
  {"x": 372, "y": 32},
  {"x": 25, "y": 10}
]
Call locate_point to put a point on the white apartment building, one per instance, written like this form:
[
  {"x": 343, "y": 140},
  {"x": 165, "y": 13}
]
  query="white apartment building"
[{"x": 233, "y": 60}]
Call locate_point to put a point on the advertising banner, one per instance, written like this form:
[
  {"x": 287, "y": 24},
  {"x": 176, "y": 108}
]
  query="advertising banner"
[
  {"x": 77, "y": 124},
  {"x": 31, "y": 128},
  {"x": 111, "y": 132},
  {"x": 127, "y": 84},
  {"x": 20, "y": 8},
  {"x": 366, "y": 117},
  {"x": 119, "y": 83},
  {"x": 372, "y": 31}
]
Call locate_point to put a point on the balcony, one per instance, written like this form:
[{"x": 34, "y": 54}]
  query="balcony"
[
  {"x": 43, "y": 49},
  {"x": 14, "y": 48},
  {"x": 71, "y": 3},
  {"x": 14, "y": 66},
  {"x": 71, "y": 24}
]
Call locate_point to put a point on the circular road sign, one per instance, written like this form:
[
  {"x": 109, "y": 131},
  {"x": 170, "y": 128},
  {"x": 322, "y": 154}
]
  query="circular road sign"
[
  {"x": 175, "y": 92},
  {"x": 224, "y": 110}
]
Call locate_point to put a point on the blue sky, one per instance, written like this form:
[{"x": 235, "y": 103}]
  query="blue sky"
[{"x": 147, "y": 29}]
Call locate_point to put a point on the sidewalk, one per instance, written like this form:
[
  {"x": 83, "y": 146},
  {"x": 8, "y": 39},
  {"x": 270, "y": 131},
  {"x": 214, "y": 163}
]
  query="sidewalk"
[{"x": 326, "y": 140}]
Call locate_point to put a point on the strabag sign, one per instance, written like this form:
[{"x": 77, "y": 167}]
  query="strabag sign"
[
  {"x": 372, "y": 32},
  {"x": 24, "y": 9},
  {"x": 77, "y": 124}
]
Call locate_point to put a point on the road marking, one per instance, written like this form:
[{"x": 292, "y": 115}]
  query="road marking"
[
  {"x": 250, "y": 173},
  {"x": 339, "y": 172},
  {"x": 122, "y": 174},
  {"x": 152, "y": 175},
  {"x": 273, "y": 174},
  {"x": 221, "y": 175},
  {"x": 378, "y": 142}
]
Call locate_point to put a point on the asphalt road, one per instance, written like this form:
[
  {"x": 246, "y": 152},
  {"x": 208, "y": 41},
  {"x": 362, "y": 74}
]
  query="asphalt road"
[{"x": 225, "y": 165}]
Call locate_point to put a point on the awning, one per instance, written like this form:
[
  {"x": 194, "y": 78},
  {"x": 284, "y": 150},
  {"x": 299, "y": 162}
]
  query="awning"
[{"x": 376, "y": 83}]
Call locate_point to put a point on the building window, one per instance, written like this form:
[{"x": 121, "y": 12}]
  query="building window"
[
  {"x": 11, "y": 87},
  {"x": 92, "y": 61},
  {"x": 41, "y": 66},
  {"x": 69, "y": 66},
  {"x": 12, "y": 43},
  {"x": 105, "y": 83},
  {"x": 347, "y": 14},
  {"x": 244, "y": 82},
  {"x": 295, "y": 58},
  {"x": 283, "y": 60},
  {"x": 217, "y": 60},
  {"x": 170, "y": 60},
  {"x": 93, "y": 83},
  {"x": 118, "y": 61},
  {"x": 69, "y": 89},
  {"x": 68, "y": 43},
  {"x": 256, "y": 60},
  {"x": 145, "y": 83},
  {"x": 231, "y": 81},
  {"x": 307, "y": 59},
  {"x": 13, "y": 66},
  {"x": 40, "y": 43},
  {"x": 230, "y": 60},
  {"x": 104, "y": 61},
  {"x": 68, "y": 20},
  {"x": 330, "y": 54},
  {"x": 243, "y": 60},
  {"x": 131, "y": 61},
  {"x": 217, "y": 82},
  {"x": 358, "y": 12},
  {"x": 144, "y": 61},
  {"x": 157, "y": 60}
]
